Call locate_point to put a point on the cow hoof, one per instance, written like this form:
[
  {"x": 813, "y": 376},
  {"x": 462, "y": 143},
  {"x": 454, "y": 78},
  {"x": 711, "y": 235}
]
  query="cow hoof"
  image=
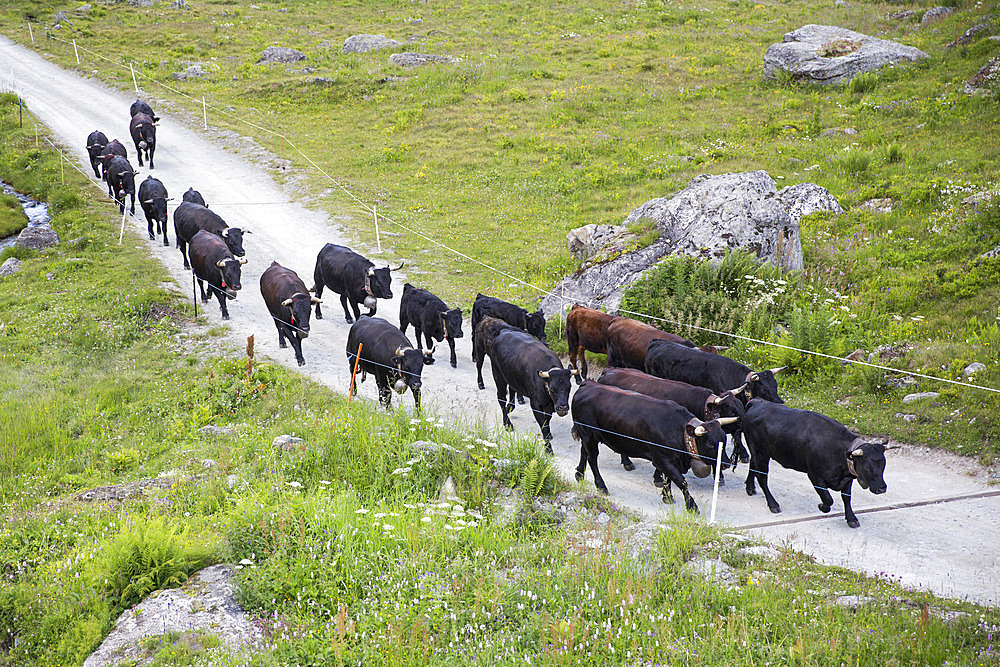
[
  {"x": 578, "y": 475},
  {"x": 824, "y": 508},
  {"x": 509, "y": 427},
  {"x": 693, "y": 508},
  {"x": 722, "y": 480},
  {"x": 282, "y": 345},
  {"x": 350, "y": 320},
  {"x": 166, "y": 243},
  {"x": 225, "y": 317},
  {"x": 853, "y": 524},
  {"x": 152, "y": 238},
  {"x": 658, "y": 483},
  {"x": 667, "y": 500},
  {"x": 482, "y": 386},
  {"x": 775, "y": 509},
  {"x": 603, "y": 490},
  {"x": 520, "y": 400},
  {"x": 302, "y": 363},
  {"x": 454, "y": 364},
  {"x": 319, "y": 316},
  {"x": 751, "y": 491},
  {"x": 744, "y": 458},
  {"x": 628, "y": 465}
]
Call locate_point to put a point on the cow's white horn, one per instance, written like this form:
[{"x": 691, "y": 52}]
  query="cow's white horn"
[
  {"x": 775, "y": 371},
  {"x": 543, "y": 374},
  {"x": 699, "y": 431},
  {"x": 286, "y": 303},
  {"x": 221, "y": 263},
  {"x": 225, "y": 232},
  {"x": 726, "y": 421},
  {"x": 244, "y": 261},
  {"x": 857, "y": 452},
  {"x": 399, "y": 351},
  {"x": 315, "y": 300}
]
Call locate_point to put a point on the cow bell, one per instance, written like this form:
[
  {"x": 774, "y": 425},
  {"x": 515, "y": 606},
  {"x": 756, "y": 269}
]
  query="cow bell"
[
  {"x": 142, "y": 144},
  {"x": 370, "y": 302},
  {"x": 400, "y": 386}
]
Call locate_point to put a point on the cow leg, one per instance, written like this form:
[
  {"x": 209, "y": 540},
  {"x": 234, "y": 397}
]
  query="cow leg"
[
  {"x": 590, "y": 445},
  {"x": 479, "y": 371},
  {"x": 505, "y": 407},
  {"x": 582, "y": 375},
  {"x": 845, "y": 495},
  {"x": 384, "y": 390},
  {"x": 825, "y": 499},
  {"x": 760, "y": 468},
  {"x": 281, "y": 335},
  {"x": 658, "y": 479},
  {"x": 347, "y": 310},
  {"x": 166, "y": 241},
  {"x": 201, "y": 288},
  {"x": 222, "y": 302},
  {"x": 543, "y": 415},
  {"x": 416, "y": 397},
  {"x": 451, "y": 347},
  {"x": 672, "y": 475},
  {"x": 403, "y": 323},
  {"x": 183, "y": 246},
  {"x": 297, "y": 346},
  {"x": 152, "y": 149},
  {"x": 149, "y": 228},
  {"x": 510, "y": 401},
  {"x": 627, "y": 463},
  {"x": 319, "y": 295},
  {"x": 520, "y": 399},
  {"x": 351, "y": 357}
]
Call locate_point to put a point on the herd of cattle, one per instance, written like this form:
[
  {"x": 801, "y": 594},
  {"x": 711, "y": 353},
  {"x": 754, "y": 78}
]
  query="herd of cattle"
[{"x": 662, "y": 398}]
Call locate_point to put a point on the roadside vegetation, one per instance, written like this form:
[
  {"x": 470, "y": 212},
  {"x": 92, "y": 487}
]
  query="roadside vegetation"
[{"x": 348, "y": 552}]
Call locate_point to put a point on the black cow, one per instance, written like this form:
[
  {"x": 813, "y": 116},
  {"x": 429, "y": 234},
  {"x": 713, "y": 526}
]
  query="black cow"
[
  {"x": 112, "y": 149},
  {"x": 483, "y": 306},
  {"x": 430, "y": 316},
  {"x": 353, "y": 277},
  {"x": 141, "y": 107},
  {"x": 487, "y": 331},
  {"x": 194, "y": 197},
  {"x": 823, "y": 448},
  {"x": 153, "y": 200},
  {"x": 703, "y": 403},
  {"x": 143, "y": 131},
  {"x": 290, "y": 305},
  {"x": 703, "y": 369},
  {"x": 387, "y": 354},
  {"x": 121, "y": 182},
  {"x": 640, "y": 426},
  {"x": 214, "y": 264},
  {"x": 191, "y": 218},
  {"x": 96, "y": 141},
  {"x": 521, "y": 363}
]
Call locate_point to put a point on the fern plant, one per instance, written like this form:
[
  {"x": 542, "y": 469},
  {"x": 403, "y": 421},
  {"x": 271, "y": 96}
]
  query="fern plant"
[
  {"x": 813, "y": 331},
  {"x": 537, "y": 478}
]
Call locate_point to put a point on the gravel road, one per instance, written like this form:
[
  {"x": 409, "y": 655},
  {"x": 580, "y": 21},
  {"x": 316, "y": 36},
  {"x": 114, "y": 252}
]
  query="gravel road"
[{"x": 938, "y": 541}]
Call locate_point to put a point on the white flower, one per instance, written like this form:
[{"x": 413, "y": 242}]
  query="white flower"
[
  {"x": 362, "y": 511},
  {"x": 425, "y": 519},
  {"x": 324, "y": 482},
  {"x": 294, "y": 485},
  {"x": 246, "y": 561}
]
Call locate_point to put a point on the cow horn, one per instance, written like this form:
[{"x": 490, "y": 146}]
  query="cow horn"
[
  {"x": 775, "y": 371},
  {"x": 738, "y": 390},
  {"x": 243, "y": 261},
  {"x": 398, "y": 267},
  {"x": 221, "y": 263},
  {"x": 371, "y": 272},
  {"x": 720, "y": 348},
  {"x": 286, "y": 303},
  {"x": 726, "y": 421},
  {"x": 894, "y": 447},
  {"x": 574, "y": 371},
  {"x": 399, "y": 351},
  {"x": 316, "y": 300},
  {"x": 244, "y": 230},
  {"x": 717, "y": 400},
  {"x": 225, "y": 232},
  {"x": 753, "y": 377},
  {"x": 700, "y": 431},
  {"x": 857, "y": 452},
  {"x": 147, "y": 201},
  {"x": 543, "y": 374}
]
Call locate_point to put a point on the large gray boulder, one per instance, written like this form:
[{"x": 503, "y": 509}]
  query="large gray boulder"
[
  {"x": 37, "y": 238},
  {"x": 710, "y": 217},
  {"x": 11, "y": 266},
  {"x": 365, "y": 43},
  {"x": 830, "y": 55},
  {"x": 280, "y": 54},
  {"x": 205, "y": 602}
]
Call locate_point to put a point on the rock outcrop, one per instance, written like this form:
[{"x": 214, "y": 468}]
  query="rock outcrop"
[
  {"x": 37, "y": 238},
  {"x": 280, "y": 54},
  {"x": 832, "y": 56},
  {"x": 985, "y": 79},
  {"x": 366, "y": 43},
  {"x": 713, "y": 215},
  {"x": 206, "y": 603},
  {"x": 409, "y": 59}
]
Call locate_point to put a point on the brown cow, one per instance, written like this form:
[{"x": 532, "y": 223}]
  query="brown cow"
[
  {"x": 628, "y": 339},
  {"x": 586, "y": 329}
]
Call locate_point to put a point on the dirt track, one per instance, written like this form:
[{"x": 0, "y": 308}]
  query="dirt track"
[{"x": 948, "y": 547}]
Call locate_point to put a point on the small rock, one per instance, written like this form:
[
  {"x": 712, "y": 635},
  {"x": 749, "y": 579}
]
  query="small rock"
[
  {"x": 215, "y": 431},
  {"x": 903, "y": 15},
  {"x": 841, "y": 3},
  {"x": 602, "y": 519},
  {"x": 280, "y": 54},
  {"x": 906, "y": 417},
  {"x": 936, "y": 14},
  {"x": 969, "y": 35},
  {"x": 506, "y": 491},
  {"x": 179, "y": 76},
  {"x": 179, "y": 4},
  {"x": 448, "y": 489},
  {"x": 366, "y": 43},
  {"x": 878, "y": 205},
  {"x": 59, "y": 19},
  {"x": 83, "y": 9},
  {"x": 287, "y": 443},
  {"x": 973, "y": 368},
  {"x": 857, "y": 355},
  {"x": 912, "y": 398},
  {"x": 194, "y": 70},
  {"x": 761, "y": 550},
  {"x": 10, "y": 267},
  {"x": 37, "y": 238},
  {"x": 712, "y": 569},
  {"x": 410, "y": 59},
  {"x": 231, "y": 481},
  {"x": 142, "y": 3},
  {"x": 905, "y": 381},
  {"x": 209, "y": 463},
  {"x": 853, "y": 601},
  {"x": 835, "y": 131}
]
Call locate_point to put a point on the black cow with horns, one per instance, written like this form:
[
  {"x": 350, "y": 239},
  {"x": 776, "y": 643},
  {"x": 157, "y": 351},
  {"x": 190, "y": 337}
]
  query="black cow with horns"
[
  {"x": 430, "y": 317},
  {"x": 111, "y": 150},
  {"x": 290, "y": 305},
  {"x": 353, "y": 277},
  {"x": 190, "y": 218},
  {"x": 522, "y": 364},
  {"x": 139, "y": 107},
  {"x": 153, "y": 200},
  {"x": 142, "y": 128},
  {"x": 823, "y": 448},
  {"x": 720, "y": 374},
  {"x": 121, "y": 182},
  {"x": 386, "y": 353},
  {"x": 96, "y": 141},
  {"x": 194, "y": 197},
  {"x": 639, "y": 426},
  {"x": 214, "y": 264},
  {"x": 488, "y": 306}
]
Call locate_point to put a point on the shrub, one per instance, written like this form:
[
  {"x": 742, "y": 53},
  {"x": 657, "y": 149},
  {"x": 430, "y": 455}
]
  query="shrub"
[
  {"x": 855, "y": 164},
  {"x": 893, "y": 153},
  {"x": 813, "y": 331},
  {"x": 863, "y": 83}
]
